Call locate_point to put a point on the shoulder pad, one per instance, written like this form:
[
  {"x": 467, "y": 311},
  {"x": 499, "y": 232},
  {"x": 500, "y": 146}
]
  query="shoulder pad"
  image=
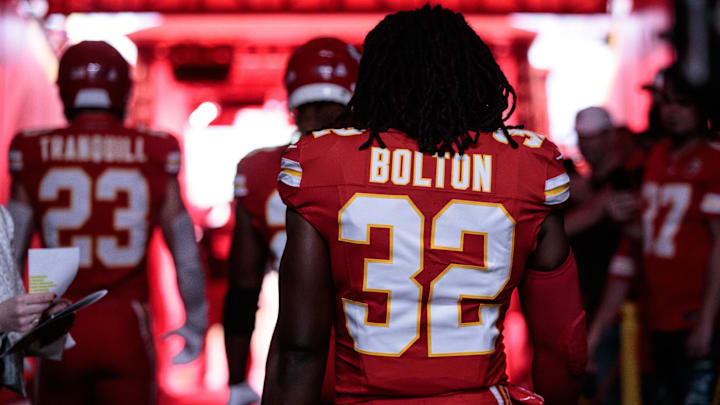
[
  {"x": 338, "y": 131},
  {"x": 36, "y": 132},
  {"x": 145, "y": 130}
]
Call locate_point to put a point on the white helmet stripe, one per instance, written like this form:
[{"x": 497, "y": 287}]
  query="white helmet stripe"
[{"x": 319, "y": 92}]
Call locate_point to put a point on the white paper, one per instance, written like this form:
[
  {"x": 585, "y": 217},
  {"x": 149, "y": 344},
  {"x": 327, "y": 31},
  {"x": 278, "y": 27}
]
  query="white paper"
[{"x": 52, "y": 270}]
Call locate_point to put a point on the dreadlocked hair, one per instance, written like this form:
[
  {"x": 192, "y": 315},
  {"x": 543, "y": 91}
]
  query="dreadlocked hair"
[{"x": 427, "y": 73}]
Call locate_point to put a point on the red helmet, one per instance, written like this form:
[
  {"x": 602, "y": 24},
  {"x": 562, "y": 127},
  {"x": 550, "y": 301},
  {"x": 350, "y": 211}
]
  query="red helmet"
[
  {"x": 93, "y": 75},
  {"x": 323, "y": 69}
]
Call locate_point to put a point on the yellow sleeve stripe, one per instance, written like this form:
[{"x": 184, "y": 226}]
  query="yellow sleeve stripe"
[
  {"x": 290, "y": 177},
  {"x": 557, "y": 190},
  {"x": 293, "y": 173}
]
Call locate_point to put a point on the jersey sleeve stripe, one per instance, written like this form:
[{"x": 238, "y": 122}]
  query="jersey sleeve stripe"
[
  {"x": 496, "y": 393},
  {"x": 240, "y": 186},
  {"x": 710, "y": 203},
  {"x": 556, "y": 182},
  {"x": 622, "y": 266},
  {"x": 16, "y": 160},
  {"x": 293, "y": 173},
  {"x": 290, "y": 177},
  {"x": 287, "y": 164},
  {"x": 558, "y": 199},
  {"x": 557, "y": 190},
  {"x": 172, "y": 163}
]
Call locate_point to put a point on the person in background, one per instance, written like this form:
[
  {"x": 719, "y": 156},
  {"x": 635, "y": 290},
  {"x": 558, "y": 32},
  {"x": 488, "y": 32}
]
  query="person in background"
[
  {"x": 104, "y": 187},
  {"x": 319, "y": 79},
  {"x": 20, "y": 312},
  {"x": 594, "y": 221},
  {"x": 678, "y": 275},
  {"x": 601, "y": 207},
  {"x": 410, "y": 231}
]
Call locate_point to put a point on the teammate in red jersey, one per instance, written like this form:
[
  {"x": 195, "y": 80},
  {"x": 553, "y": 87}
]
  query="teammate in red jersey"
[
  {"x": 680, "y": 276},
  {"x": 320, "y": 77},
  {"x": 103, "y": 187},
  {"x": 411, "y": 233}
]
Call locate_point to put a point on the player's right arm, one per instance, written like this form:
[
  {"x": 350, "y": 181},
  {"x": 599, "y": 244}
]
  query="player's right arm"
[
  {"x": 550, "y": 298},
  {"x": 248, "y": 257},
  {"x": 299, "y": 349},
  {"x": 179, "y": 233}
]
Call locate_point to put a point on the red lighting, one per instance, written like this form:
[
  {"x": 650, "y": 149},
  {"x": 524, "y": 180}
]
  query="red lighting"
[{"x": 322, "y": 6}]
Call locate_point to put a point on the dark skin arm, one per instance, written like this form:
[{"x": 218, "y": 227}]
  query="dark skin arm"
[
  {"x": 298, "y": 352},
  {"x": 553, "y": 246},
  {"x": 559, "y": 386},
  {"x": 248, "y": 256}
]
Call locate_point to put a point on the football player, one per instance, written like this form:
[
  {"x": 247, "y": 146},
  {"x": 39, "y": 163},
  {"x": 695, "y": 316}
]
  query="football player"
[
  {"x": 680, "y": 264},
  {"x": 103, "y": 187},
  {"x": 319, "y": 79},
  {"x": 410, "y": 233}
]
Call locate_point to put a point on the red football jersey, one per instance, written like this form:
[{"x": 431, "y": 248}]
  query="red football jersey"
[
  {"x": 256, "y": 190},
  {"x": 680, "y": 195},
  {"x": 425, "y": 253},
  {"x": 99, "y": 186}
]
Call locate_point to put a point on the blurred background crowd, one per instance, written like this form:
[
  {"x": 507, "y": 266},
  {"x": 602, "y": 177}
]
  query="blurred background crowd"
[{"x": 593, "y": 75}]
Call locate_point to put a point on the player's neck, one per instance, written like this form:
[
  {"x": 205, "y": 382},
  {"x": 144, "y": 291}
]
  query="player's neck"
[
  {"x": 94, "y": 116},
  {"x": 680, "y": 144}
]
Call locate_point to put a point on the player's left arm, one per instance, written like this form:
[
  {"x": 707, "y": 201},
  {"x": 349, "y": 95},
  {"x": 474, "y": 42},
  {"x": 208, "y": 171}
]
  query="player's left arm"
[
  {"x": 550, "y": 298},
  {"x": 699, "y": 341},
  {"x": 179, "y": 234},
  {"x": 298, "y": 353}
]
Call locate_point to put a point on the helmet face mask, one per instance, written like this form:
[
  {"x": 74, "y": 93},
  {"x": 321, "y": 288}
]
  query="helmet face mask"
[
  {"x": 321, "y": 70},
  {"x": 93, "y": 76}
]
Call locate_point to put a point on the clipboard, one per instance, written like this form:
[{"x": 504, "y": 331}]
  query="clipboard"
[{"x": 55, "y": 325}]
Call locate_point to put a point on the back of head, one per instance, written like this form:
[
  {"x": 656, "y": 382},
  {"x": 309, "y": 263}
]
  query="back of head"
[
  {"x": 93, "y": 76},
  {"x": 427, "y": 73},
  {"x": 321, "y": 70},
  {"x": 592, "y": 121}
]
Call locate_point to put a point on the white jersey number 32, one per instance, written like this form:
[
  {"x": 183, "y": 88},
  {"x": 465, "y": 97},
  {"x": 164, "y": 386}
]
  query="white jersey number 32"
[{"x": 448, "y": 335}]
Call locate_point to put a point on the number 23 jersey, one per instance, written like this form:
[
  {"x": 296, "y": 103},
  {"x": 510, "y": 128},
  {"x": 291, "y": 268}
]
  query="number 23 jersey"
[
  {"x": 99, "y": 186},
  {"x": 425, "y": 252}
]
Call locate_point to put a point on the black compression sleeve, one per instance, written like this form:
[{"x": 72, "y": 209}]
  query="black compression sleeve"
[{"x": 240, "y": 308}]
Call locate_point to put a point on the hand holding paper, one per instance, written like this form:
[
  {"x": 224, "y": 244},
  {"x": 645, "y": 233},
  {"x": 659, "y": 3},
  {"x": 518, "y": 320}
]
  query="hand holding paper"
[{"x": 52, "y": 270}]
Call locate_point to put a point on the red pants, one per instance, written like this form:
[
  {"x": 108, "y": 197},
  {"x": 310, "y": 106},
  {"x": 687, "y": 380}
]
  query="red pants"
[{"x": 112, "y": 363}]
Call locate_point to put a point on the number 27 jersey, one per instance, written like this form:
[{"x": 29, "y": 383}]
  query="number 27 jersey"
[
  {"x": 425, "y": 251},
  {"x": 681, "y": 196},
  {"x": 98, "y": 186}
]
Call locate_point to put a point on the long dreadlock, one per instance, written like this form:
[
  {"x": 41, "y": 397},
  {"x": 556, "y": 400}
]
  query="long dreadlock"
[{"x": 427, "y": 73}]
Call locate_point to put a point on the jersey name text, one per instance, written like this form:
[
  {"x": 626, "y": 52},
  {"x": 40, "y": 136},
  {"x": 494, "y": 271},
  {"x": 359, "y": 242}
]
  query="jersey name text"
[
  {"x": 93, "y": 148},
  {"x": 404, "y": 167}
]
